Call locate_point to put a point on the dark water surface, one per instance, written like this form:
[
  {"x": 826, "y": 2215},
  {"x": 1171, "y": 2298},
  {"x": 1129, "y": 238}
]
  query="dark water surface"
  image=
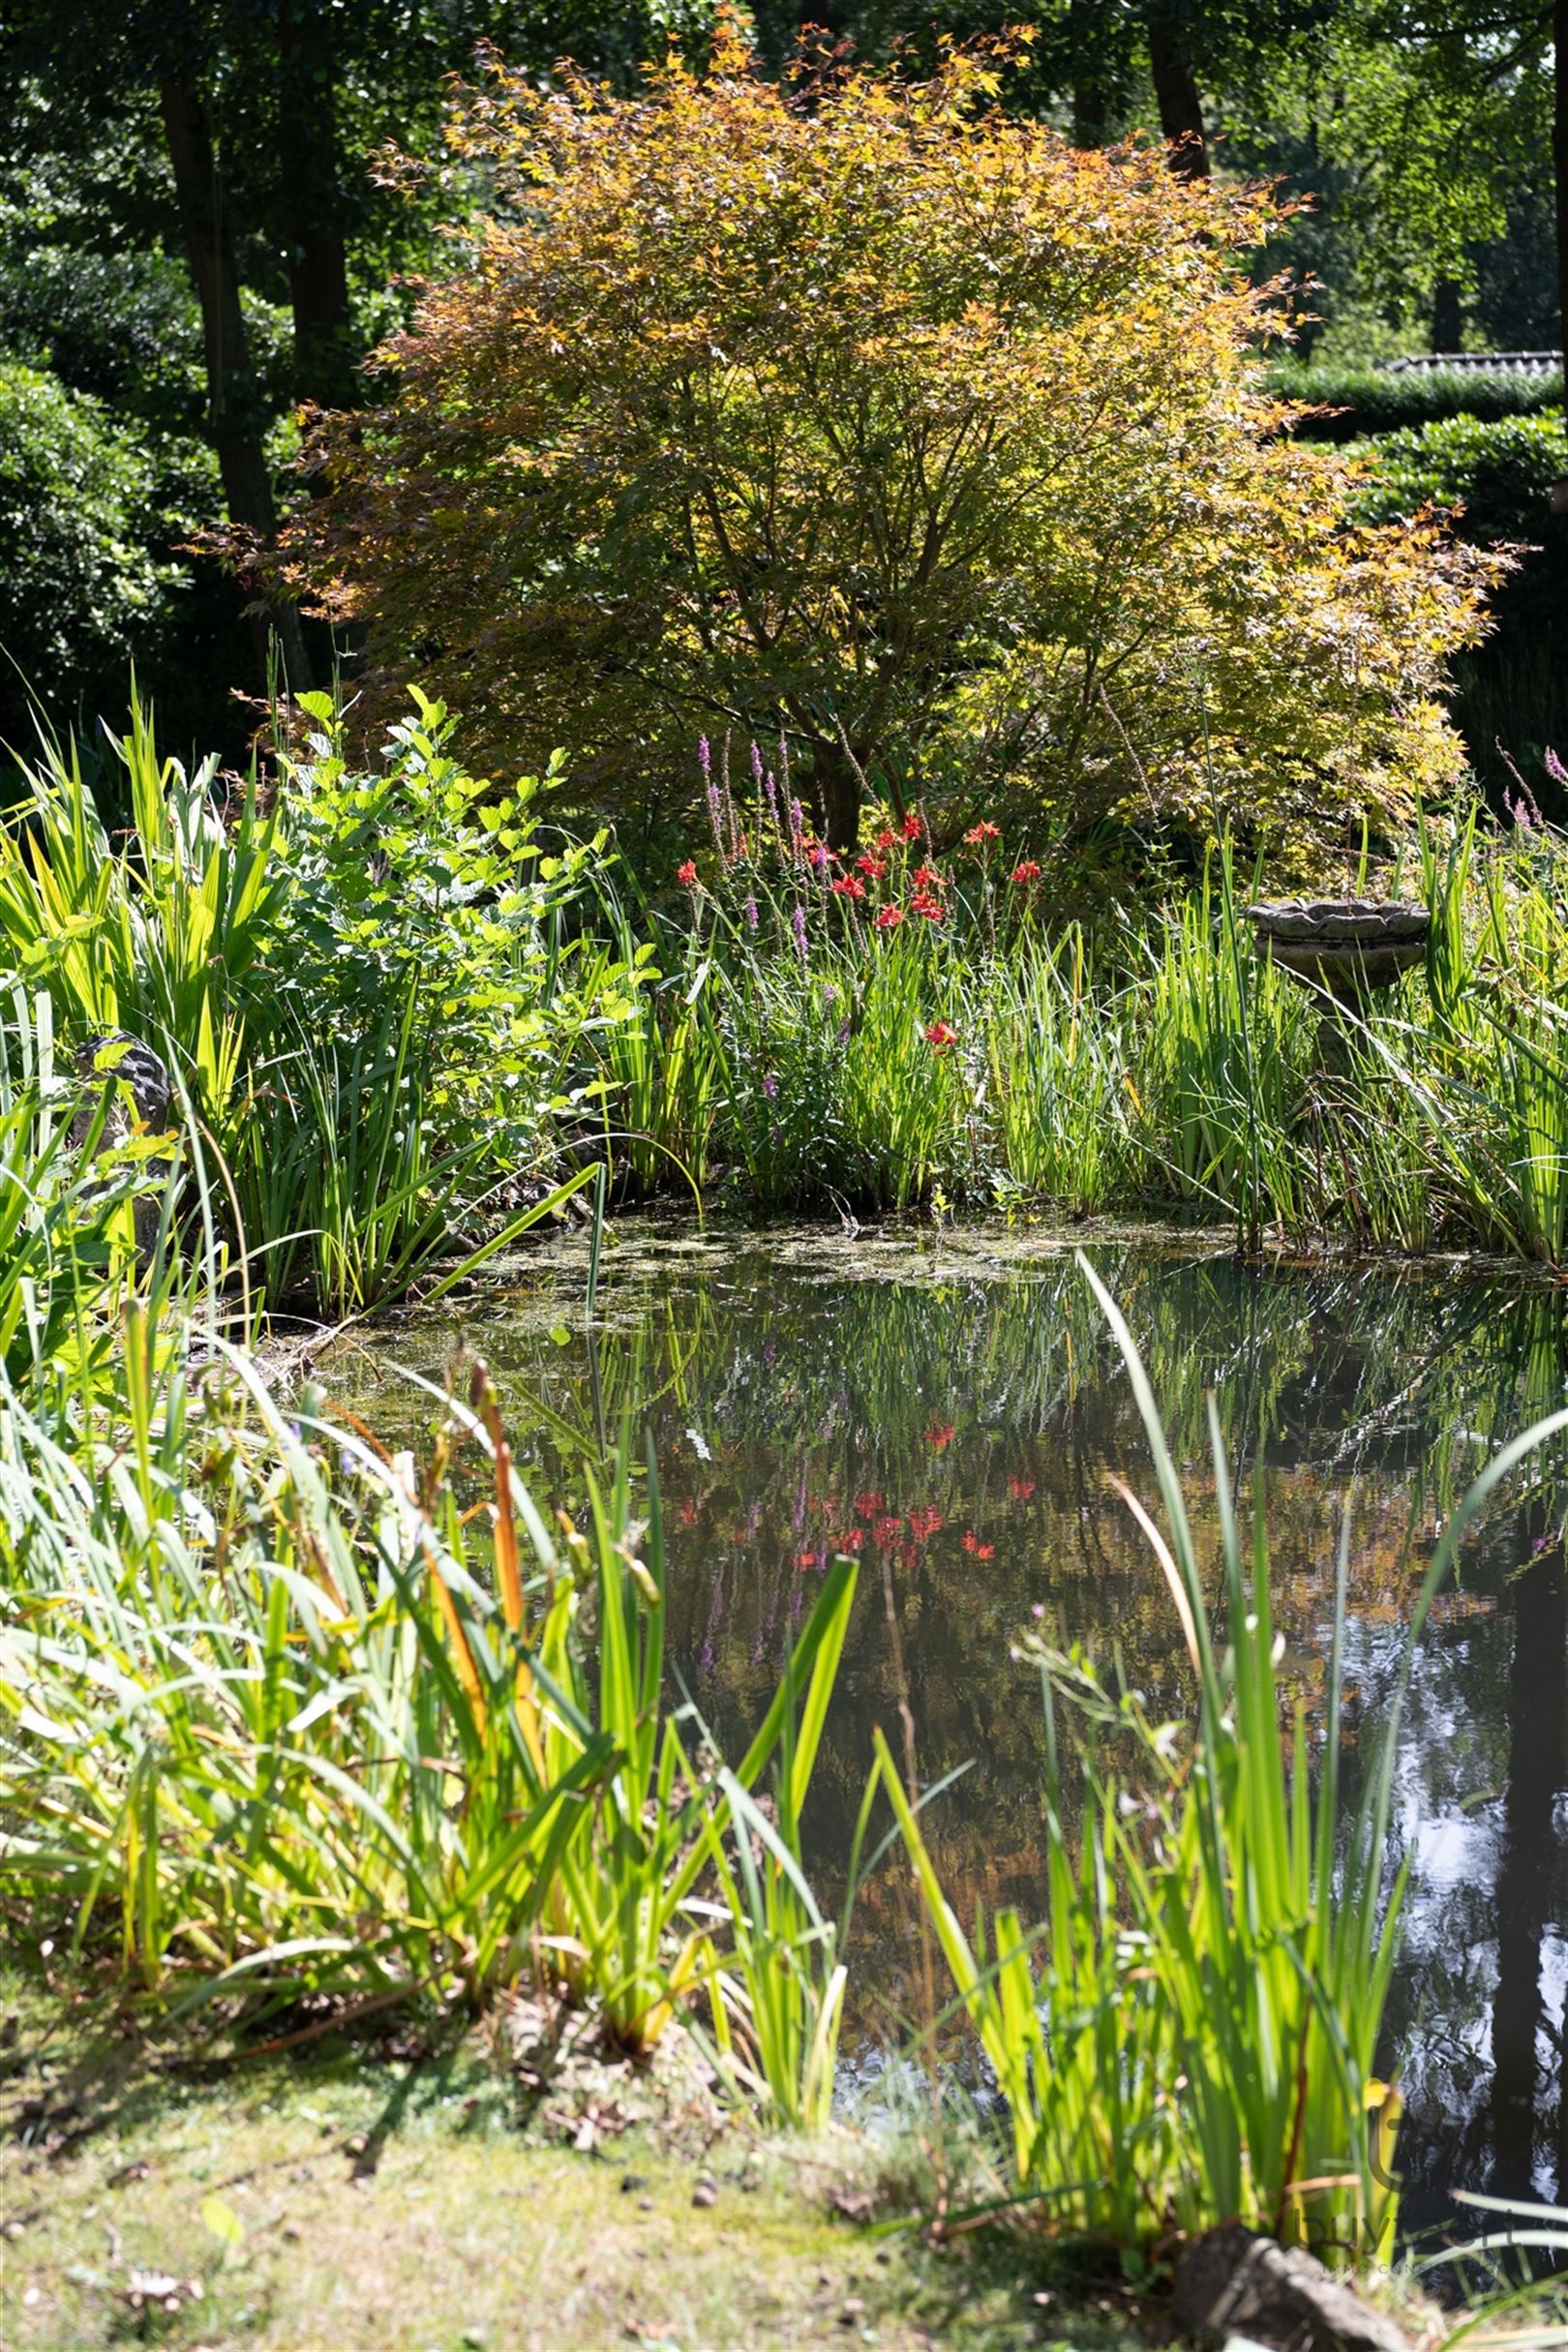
[{"x": 948, "y": 1409}]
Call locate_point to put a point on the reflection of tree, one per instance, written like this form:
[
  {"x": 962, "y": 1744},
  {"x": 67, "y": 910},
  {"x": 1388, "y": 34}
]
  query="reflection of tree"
[
  {"x": 788, "y": 1383},
  {"x": 1527, "y": 1870}
]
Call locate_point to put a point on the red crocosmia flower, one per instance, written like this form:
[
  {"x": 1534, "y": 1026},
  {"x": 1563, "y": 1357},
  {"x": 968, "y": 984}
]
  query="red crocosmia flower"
[
  {"x": 850, "y": 886},
  {"x": 1020, "y": 1489},
  {"x": 873, "y": 868},
  {"x": 886, "y": 838},
  {"x": 922, "y": 1524},
  {"x": 931, "y": 907},
  {"x": 940, "y": 1035},
  {"x": 978, "y": 1549},
  {"x": 939, "y": 1436},
  {"x": 687, "y": 873},
  {"x": 887, "y": 1530},
  {"x": 912, "y": 827},
  {"x": 926, "y": 877},
  {"x": 1027, "y": 871},
  {"x": 984, "y": 831},
  {"x": 889, "y": 919},
  {"x": 866, "y": 1506}
]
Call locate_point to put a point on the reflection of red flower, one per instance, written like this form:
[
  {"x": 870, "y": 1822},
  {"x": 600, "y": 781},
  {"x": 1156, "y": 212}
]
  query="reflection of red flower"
[
  {"x": 922, "y": 1524},
  {"x": 939, "y": 1436},
  {"x": 687, "y": 873},
  {"x": 866, "y": 1506},
  {"x": 809, "y": 1559},
  {"x": 889, "y": 919},
  {"x": 688, "y": 1511},
  {"x": 1020, "y": 1489},
  {"x": 972, "y": 1544},
  {"x": 908, "y": 1555},
  {"x": 850, "y": 886},
  {"x": 850, "y": 1541},
  {"x": 887, "y": 1530}
]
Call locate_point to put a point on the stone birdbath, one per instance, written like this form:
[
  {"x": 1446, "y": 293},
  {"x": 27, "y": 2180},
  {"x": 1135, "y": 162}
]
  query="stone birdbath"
[{"x": 1344, "y": 949}]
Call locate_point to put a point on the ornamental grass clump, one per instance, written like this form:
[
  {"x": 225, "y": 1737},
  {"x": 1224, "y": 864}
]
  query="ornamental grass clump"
[{"x": 860, "y": 407}]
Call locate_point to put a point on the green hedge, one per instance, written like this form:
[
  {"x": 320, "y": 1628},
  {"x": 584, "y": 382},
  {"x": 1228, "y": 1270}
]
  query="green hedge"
[
  {"x": 1500, "y": 470},
  {"x": 1371, "y": 400}
]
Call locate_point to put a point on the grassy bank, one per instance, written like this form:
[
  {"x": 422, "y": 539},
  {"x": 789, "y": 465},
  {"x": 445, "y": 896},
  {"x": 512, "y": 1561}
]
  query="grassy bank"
[{"x": 355, "y": 2198}]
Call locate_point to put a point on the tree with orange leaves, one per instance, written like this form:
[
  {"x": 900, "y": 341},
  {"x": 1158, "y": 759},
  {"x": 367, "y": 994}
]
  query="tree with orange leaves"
[{"x": 853, "y": 407}]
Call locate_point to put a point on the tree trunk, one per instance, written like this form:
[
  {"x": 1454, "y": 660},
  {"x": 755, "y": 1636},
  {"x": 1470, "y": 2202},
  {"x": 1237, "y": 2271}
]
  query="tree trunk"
[
  {"x": 312, "y": 208},
  {"x": 1091, "y": 95},
  {"x": 235, "y": 415},
  {"x": 1447, "y": 319},
  {"x": 838, "y": 796},
  {"x": 1180, "y": 114},
  {"x": 1559, "y": 158}
]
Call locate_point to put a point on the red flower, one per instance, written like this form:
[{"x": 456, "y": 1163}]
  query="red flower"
[
  {"x": 687, "y": 873},
  {"x": 688, "y": 1511},
  {"x": 940, "y": 1035},
  {"x": 1027, "y": 871},
  {"x": 912, "y": 827},
  {"x": 886, "y": 838},
  {"x": 984, "y": 831},
  {"x": 939, "y": 1436},
  {"x": 926, "y": 877},
  {"x": 972, "y": 1544},
  {"x": 873, "y": 868},
  {"x": 922, "y": 1524},
  {"x": 931, "y": 907},
  {"x": 811, "y": 1559},
  {"x": 850, "y": 886},
  {"x": 866, "y": 1506},
  {"x": 887, "y": 1530},
  {"x": 1020, "y": 1489},
  {"x": 889, "y": 919},
  {"x": 851, "y": 1540}
]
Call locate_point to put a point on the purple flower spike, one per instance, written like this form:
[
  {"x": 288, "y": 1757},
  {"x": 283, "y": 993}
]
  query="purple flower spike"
[
  {"x": 752, "y": 918},
  {"x": 704, "y": 754},
  {"x": 770, "y": 1086},
  {"x": 756, "y": 762},
  {"x": 1555, "y": 768},
  {"x": 798, "y": 924}
]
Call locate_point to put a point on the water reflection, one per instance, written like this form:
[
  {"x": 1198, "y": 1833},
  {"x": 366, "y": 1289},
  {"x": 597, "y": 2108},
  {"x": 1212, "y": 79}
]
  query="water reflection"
[{"x": 949, "y": 1410}]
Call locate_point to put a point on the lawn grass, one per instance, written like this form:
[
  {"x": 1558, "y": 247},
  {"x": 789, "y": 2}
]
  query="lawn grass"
[{"x": 411, "y": 2203}]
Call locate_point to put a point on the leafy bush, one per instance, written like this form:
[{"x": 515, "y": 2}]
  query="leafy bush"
[
  {"x": 1499, "y": 471},
  {"x": 79, "y": 591},
  {"x": 1495, "y": 478},
  {"x": 1373, "y": 399},
  {"x": 855, "y": 407}
]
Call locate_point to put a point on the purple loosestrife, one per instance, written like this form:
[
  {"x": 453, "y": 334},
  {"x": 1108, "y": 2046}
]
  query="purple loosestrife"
[
  {"x": 1555, "y": 768},
  {"x": 715, "y": 804},
  {"x": 770, "y": 1087},
  {"x": 798, "y": 924},
  {"x": 751, "y": 914}
]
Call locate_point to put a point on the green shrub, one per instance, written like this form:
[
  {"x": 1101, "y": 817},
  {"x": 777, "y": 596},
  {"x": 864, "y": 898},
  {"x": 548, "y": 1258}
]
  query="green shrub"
[
  {"x": 79, "y": 591},
  {"x": 1372, "y": 400},
  {"x": 1499, "y": 470}
]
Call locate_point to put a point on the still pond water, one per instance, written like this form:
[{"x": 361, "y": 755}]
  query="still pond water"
[{"x": 949, "y": 1407}]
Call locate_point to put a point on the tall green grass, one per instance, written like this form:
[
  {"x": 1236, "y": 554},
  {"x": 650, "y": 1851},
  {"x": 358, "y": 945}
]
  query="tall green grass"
[{"x": 1190, "y": 2032}]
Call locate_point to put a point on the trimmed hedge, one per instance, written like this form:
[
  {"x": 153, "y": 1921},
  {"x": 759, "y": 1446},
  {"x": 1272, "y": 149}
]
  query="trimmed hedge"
[{"x": 1371, "y": 400}]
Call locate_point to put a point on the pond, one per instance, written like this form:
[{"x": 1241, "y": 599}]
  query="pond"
[{"x": 947, "y": 1406}]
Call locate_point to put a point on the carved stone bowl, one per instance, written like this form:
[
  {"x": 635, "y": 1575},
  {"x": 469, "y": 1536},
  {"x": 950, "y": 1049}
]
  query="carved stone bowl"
[{"x": 1347, "y": 946}]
